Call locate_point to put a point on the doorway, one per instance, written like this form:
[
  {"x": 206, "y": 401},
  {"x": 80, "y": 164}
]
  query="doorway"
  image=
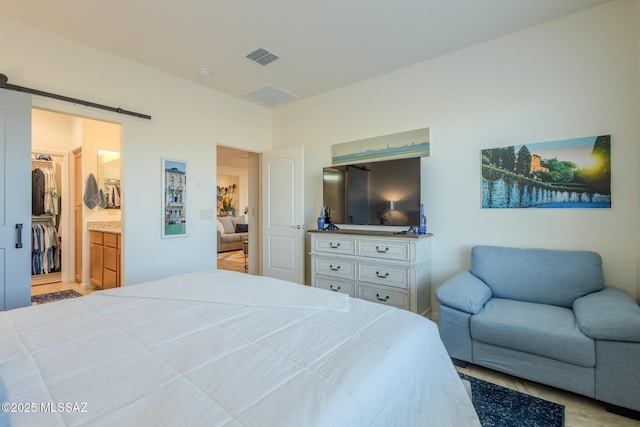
[
  {"x": 237, "y": 210},
  {"x": 69, "y": 145}
]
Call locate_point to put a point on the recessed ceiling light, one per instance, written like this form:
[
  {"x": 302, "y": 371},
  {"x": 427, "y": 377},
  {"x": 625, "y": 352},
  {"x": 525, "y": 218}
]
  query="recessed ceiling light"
[{"x": 205, "y": 72}]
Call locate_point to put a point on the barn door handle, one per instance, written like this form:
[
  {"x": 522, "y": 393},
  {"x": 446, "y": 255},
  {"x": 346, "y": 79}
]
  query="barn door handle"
[{"x": 19, "y": 241}]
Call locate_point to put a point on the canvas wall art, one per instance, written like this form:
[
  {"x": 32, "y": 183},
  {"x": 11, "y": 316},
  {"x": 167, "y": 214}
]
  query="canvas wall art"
[
  {"x": 571, "y": 173},
  {"x": 174, "y": 191},
  {"x": 413, "y": 143}
]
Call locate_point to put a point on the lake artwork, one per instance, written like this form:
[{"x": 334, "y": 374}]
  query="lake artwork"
[{"x": 571, "y": 173}]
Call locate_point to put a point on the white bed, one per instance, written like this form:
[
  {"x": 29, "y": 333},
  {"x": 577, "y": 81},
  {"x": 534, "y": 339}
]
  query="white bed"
[{"x": 225, "y": 349}]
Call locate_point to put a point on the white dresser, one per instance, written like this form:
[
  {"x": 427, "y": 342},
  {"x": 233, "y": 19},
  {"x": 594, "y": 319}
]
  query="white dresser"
[{"x": 377, "y": 266}]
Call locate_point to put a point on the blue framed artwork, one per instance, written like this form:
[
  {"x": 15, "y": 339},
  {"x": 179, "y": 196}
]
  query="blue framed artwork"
[
  {"x": 570, "y": 173},
  {"x": 174, "y": 198}
]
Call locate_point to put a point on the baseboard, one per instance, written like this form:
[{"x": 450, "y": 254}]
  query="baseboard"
[{"x": 625, "y": 412}]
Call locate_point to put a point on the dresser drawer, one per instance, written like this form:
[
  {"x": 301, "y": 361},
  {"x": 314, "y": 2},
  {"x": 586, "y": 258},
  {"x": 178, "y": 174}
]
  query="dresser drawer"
[
  {"x": 384, "y": 295},
  {"x": 335, "y": 245},
  {"x": 398, "y": 251},
  {"x": 336, "y": 267},
  {"x": 388, "y": 275},
  {"x": 341, "y": 286}
]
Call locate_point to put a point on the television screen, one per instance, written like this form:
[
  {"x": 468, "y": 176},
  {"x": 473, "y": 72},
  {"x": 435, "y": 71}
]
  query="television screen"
[{"x": 375, "y": 193}]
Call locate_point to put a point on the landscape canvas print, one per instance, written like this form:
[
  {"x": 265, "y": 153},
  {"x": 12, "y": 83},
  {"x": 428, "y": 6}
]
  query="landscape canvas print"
[
  {"x": 413, "y": 143},
  {"x": 571, "y": 173}
]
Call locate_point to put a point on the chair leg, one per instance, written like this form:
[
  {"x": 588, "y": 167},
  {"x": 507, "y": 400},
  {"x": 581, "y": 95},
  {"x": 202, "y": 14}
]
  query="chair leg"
[
  {"x": 459, "y": 363},
  {"x": 625, "y": 412}
]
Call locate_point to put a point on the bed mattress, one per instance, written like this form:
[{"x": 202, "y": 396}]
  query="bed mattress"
[{"x": 222, "y": 348}]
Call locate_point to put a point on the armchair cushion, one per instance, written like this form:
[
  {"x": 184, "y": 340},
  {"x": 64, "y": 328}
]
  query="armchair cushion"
[
  {"x": 541, "y": 329},
  {"x": 464, "y": 292},
  {"x": 610, "y": 314},
  {"x": 543, "y": 276}
]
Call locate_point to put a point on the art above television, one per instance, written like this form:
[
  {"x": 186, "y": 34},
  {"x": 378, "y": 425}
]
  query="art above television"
[{"x": 375, "y": 193}]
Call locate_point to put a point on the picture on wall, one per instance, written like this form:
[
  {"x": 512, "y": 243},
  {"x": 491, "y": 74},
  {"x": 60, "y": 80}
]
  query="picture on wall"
[
  {"x": 571, "y": 173},
  {"x": 413, "y": 143},
  {"x": 174, "y": 187}
]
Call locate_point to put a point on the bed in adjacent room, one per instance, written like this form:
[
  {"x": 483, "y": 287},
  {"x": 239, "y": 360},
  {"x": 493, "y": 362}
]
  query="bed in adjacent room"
[{"x": 222, "y": 348}]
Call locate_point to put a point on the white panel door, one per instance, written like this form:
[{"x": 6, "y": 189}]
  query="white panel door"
[
  {"x": 283, "y": 214},
  {"x": 15, "y": 199}
]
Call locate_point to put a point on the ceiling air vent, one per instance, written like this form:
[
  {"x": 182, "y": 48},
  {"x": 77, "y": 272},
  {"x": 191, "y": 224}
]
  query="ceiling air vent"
[
  {"x": 271, "y": 95},
  {"x": 262, "y": 56}
]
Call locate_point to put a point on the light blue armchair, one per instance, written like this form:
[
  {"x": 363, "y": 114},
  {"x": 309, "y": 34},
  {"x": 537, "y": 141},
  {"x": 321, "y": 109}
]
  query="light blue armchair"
[{"x": 546, "y": 316}]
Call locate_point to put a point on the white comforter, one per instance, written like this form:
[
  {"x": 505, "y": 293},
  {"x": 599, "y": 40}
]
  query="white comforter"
[{"x": 225, "y": 349}]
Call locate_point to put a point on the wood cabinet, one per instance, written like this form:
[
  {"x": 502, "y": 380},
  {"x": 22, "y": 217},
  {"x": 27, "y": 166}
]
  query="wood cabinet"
[
  {"x": 376, "y": 266},
  {"x": 105, "y": 259}
]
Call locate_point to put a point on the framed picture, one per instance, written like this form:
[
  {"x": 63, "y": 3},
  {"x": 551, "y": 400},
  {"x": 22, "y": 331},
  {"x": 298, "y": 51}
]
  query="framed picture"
[
  {"x": 174, "y": 198},
  {"x": 570, "y": 173},
  {"x": 413, "y": 143}
]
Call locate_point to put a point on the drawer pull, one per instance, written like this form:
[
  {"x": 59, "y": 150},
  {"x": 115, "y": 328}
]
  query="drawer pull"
[
  {"x": 382, "y": 251},
  {"x": 336, "y": 289},
  {"x": 334, "y": 246},
  {"x": 382, "y": 276},
  {"x": 385, "y": 299},
  {"x": 332, "y": 268}
]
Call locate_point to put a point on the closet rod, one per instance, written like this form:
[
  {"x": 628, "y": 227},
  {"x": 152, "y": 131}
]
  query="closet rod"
[
  {"x": 48, "y": 218},
  {"x": 5, "y": 85}
]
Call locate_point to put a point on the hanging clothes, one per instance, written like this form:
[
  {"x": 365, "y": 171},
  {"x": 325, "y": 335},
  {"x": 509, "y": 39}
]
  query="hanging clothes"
[
  {"x": 44, "y": 191},
  {"x": 45, "y": 249},
  {"x": 37, "y": 191},
  {"x": 111, "y": 196}
]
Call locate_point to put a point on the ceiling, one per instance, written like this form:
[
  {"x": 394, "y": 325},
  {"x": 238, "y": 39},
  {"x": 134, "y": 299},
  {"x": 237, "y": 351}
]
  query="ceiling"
[
  {"x": 230, "y": 157},
  {"x": 320, "y": 45}
]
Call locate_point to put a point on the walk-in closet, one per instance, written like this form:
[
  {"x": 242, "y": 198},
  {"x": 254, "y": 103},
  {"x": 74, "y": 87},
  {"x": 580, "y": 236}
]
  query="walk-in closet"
[{"x": 65, "y": 151}]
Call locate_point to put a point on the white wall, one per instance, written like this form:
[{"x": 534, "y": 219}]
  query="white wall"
[
  {"x": 188, "y": 121},
  {"x": 572, "y": 77}
]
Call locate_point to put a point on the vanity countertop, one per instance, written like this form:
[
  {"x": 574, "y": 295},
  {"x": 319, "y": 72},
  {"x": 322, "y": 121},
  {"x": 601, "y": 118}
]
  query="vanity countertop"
[{"x": 105, "y": 226}]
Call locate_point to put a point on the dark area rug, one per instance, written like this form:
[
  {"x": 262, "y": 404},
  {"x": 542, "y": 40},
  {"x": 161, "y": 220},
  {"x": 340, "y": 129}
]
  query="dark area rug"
[
  {"x": 54, "y": 296},
  {"x": 501, "y": 407}
]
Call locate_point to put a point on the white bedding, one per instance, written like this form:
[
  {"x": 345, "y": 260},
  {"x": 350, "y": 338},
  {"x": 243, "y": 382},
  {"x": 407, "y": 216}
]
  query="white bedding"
[{"x": 225, "y": 349}]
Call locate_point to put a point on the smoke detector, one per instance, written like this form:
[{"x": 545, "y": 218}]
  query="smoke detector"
[{"x": 205, "y": 72}]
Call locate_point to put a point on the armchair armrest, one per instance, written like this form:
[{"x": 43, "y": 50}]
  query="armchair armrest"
[
  {"x": 610, "y": 314},
  {"x": 464, "y": 292}
]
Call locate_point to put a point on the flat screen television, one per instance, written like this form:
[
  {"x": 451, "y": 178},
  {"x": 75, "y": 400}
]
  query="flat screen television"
[{"x": 375, "y": 193}]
